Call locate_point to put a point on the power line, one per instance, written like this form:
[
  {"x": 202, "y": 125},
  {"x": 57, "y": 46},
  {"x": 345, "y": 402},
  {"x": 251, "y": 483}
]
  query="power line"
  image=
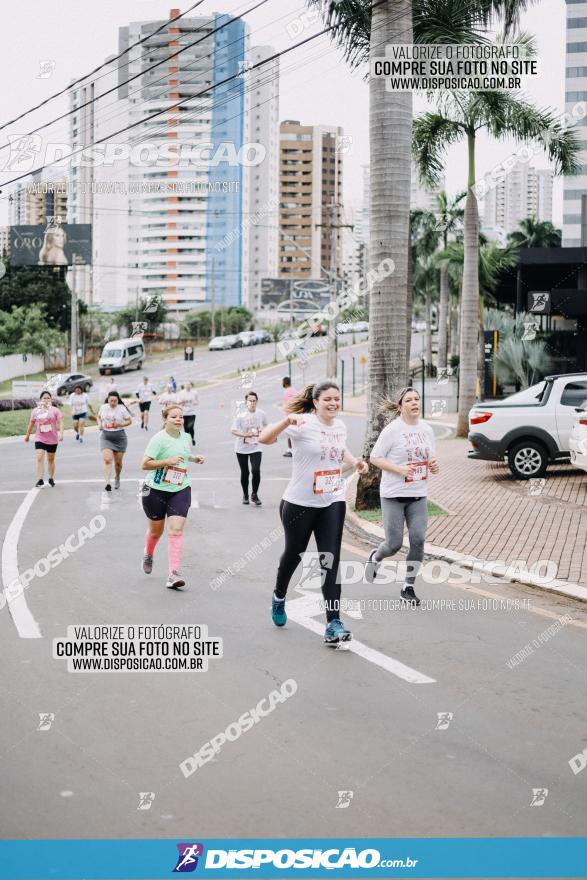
[
  {"x": 136, "y": 76},
  {"x": 179, "y": 103},
  {"x": 96, "y": 69}
]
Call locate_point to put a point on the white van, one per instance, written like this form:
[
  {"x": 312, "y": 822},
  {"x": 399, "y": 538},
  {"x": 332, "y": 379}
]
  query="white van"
[{"x": 119, "y": 355}]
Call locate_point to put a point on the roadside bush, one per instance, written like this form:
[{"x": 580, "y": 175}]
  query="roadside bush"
[{"x": 7, "y": 404}]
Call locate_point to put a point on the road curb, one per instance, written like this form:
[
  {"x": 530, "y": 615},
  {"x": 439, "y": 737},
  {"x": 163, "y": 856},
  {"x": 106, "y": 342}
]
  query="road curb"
[{"x": 368, "y": 531}]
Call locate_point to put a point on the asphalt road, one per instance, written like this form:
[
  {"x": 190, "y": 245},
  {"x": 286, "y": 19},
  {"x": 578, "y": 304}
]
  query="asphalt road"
[{"x": 364, "y": 721}]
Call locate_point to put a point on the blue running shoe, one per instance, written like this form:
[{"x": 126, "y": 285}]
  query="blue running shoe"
[
  {"x": 278, "y": 611},
  {"x": 336, "y": 632}
]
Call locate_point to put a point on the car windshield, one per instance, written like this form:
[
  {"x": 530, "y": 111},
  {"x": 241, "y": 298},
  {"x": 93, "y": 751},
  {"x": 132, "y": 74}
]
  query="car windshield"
[
  {"x": 113, "y": 352},
  {"x": 528, "y": 395}
]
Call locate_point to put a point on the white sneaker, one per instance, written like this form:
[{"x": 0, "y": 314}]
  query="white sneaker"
[{"x": 175, "y": 581}]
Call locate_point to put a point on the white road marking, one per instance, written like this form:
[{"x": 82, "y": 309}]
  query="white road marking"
[
  {"x": 302, "y": 611},
  {"x": 14, "y": 491},
  {"x": 26, "y": 625}
]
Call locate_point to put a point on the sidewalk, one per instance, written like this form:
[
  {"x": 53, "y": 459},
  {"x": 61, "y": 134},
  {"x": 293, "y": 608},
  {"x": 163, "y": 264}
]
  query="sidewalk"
[{"x": 492, "y": 516}]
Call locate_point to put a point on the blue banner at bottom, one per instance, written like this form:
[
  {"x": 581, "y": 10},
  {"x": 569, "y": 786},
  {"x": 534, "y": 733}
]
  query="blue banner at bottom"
[{"x": 225, "y": 858}]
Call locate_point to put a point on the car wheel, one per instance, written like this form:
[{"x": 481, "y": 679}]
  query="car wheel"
[
  {"x": 527, "y": 459},
  {"x": 61, "y": 392},
  {"x": 140, "y": 365},
  {"x": 87, "y": 387}
]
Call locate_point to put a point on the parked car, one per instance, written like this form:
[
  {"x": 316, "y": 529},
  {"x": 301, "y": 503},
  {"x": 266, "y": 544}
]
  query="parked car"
[
  {"x": 64, "y": 383},
  {"x": 578, "y": 438},
  {"x": 234, "y": 341},
  {"x": 261, "y": 336},
  {"x": 219, "y": 343},
  {"x": 119, "y": 355},
  {"x": 247, "y": 337},
  {"x": 531, "y": 428},
  {"x": 361, "y": 327}
]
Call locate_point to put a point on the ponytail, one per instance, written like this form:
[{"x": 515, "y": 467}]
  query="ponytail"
[
  {"x": 392, "y": 408},
  {"x": 304, "y": 401}
]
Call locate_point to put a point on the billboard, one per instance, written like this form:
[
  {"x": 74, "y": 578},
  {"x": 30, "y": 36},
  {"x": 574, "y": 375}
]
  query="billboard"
[
  {"x": 301, "y": 295},
  {"x": 69, "y": 244}
]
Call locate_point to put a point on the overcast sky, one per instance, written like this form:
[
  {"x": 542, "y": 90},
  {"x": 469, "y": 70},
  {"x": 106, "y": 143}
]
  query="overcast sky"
[{"x": 316, "y": 86}]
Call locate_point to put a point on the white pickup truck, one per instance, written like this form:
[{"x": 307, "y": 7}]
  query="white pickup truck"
[{"x": 530, "y": 428}]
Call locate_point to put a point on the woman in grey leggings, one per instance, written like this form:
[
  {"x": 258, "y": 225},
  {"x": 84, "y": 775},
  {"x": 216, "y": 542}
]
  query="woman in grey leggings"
[{"x": 405, "y": 453}]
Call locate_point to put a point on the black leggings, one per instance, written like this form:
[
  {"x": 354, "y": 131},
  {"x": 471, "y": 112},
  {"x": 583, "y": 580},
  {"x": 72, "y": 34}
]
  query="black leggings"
[
  {"x": 188, "y": 426},
  {"x": 243, "y": 460},
  {"x": 326, "y": 524}
]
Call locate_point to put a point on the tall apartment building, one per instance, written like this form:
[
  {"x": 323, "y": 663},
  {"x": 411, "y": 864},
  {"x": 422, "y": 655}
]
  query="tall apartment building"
[
  {"x": 310, "y": 193},
  {"x": 168, "y": 208},
  {"x": 524, "y": 192},
  {"x": 32, "y": 203},
  {"x": 262, "y": 211},
  {"x": 575, "y": 186}
]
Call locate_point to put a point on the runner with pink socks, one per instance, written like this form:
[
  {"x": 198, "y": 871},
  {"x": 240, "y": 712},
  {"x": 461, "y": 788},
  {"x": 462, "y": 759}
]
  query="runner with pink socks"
[{"x": 167, "y": 493}]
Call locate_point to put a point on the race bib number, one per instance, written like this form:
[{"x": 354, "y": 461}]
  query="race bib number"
[
  {"x": 326, "y": 482},
  {"x": 252, "y": 441},
  {"x": 420, "y": 472},
  {"x": 174, "y": 476},
  {"x": 44, "y": 429}
]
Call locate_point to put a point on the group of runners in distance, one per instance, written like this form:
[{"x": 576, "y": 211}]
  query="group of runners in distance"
[{"x": 313, "y": 503}]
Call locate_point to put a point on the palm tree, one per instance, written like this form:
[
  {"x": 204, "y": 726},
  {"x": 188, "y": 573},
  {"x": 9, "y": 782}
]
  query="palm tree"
[
  {"x": 534, "y": 233},
  {"x": 461, "y": 115},
  {"x": 362, "y": 29},
  {"x": 450, "y": 219},
  {"x": 516, "y": 360},
  {"x": 425, "y": 237}
]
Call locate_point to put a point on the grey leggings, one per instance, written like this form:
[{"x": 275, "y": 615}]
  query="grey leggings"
[{"x": 415, "y": 513}]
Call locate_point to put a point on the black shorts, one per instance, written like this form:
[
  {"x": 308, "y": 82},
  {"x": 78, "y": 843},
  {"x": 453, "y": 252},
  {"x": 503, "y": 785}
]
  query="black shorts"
[
  {"x": 46, "y": 447},
  {"x": 144, "y": 405},
  {"x": 79, "y": 417},
  {"x": 157, "y": 503}
]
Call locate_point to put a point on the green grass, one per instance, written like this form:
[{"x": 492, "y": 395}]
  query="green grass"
[
  {"x": 14, "y": 424},
  {"x": 6, "y": 387},
  {"x": 375, "y": 516}
]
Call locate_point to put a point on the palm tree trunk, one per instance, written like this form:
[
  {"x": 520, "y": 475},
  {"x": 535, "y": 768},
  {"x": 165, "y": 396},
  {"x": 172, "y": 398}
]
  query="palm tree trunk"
[
  {"x": 390, "y": 135},
  {"x": 469, "y": 311},
  {"x": 443, "y": 318},
  {"x": 409, "y": 307},
  {"x": 428, "y": 308}
]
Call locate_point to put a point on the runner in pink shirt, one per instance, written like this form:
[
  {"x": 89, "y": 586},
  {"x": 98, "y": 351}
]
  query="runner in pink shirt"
[
  {"x": 288, "y": 393},
  {"x": 48, "y": 424}
]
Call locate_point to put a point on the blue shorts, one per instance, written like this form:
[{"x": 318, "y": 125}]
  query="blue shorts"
[{"x": 79, "y": 417}]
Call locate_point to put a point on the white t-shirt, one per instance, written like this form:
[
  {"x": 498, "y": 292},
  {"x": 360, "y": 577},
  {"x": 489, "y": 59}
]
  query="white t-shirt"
[
  {"x": 110, "y": 415},
  {"x": 145, "y": 391},
  {"x": 189, "y": 400},
  {"x": 318, "y": 450},
  {"x": 79, "y": 402},
  {"x": 249, "y": 423},
  {"x": 167, "y": 397},
  {"x": 401, "y": 443}
]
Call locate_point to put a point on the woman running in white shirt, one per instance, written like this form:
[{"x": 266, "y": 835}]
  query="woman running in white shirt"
[
  {"x": 113, "y": 418},
  {"x": 405, "y": 453},
  {"x": 80, "y": 404},
  {"x": 314, "y": 500},
  {"x": 189, "y": 400},
  {"x": 168, "y": 396}
]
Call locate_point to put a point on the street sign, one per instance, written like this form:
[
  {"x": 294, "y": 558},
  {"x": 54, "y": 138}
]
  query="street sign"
[{"x": 490, "y": 345}]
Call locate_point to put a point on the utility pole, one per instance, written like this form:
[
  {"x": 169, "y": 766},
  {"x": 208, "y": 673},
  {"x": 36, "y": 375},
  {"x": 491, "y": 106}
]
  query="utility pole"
[
  {"x": 213, "y": 304},
  {"x": 332, "y": 350},
  {"x": 73, "y": 321}
]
